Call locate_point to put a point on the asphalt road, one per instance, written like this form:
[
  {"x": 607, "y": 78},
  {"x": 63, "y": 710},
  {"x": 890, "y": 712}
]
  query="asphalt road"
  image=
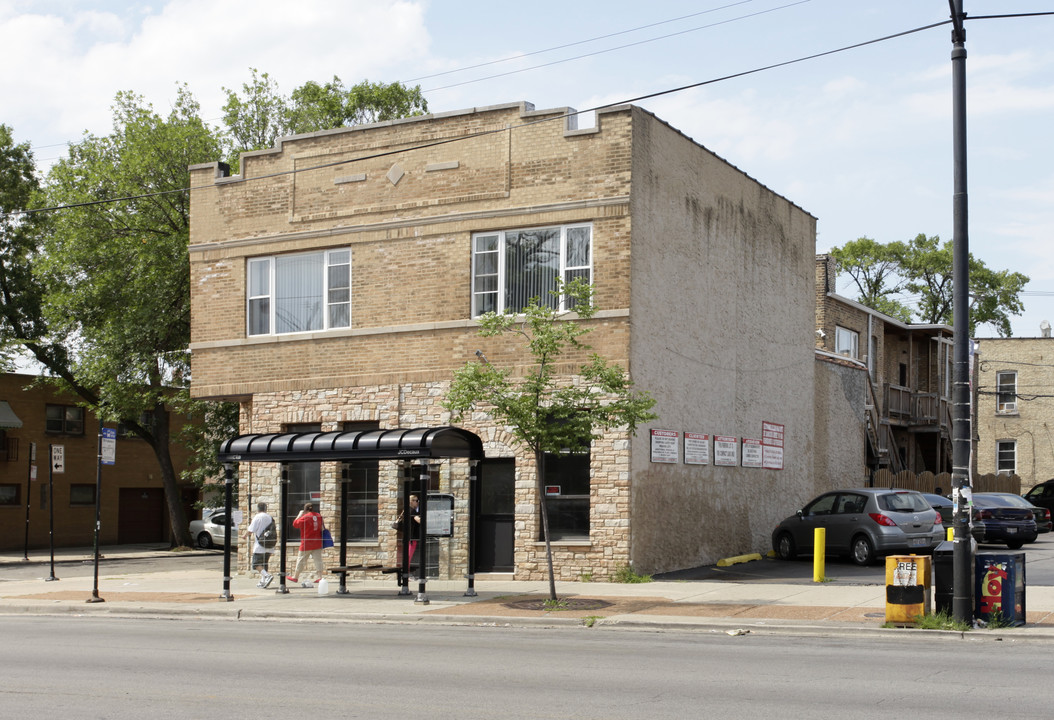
[{"x": 82, "y": 667}]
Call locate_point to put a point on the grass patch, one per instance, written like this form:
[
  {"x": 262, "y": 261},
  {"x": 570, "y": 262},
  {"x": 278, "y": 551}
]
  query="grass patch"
[
  {"x": 939, "y": 621},
  {"x": 591, "y": 620},
  {"x": 557, "y": 604},
  {"x": 585, "y": 577},
  {"x": 626, "y": 574}
]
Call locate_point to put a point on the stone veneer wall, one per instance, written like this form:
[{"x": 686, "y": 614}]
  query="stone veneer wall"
[{"x": 419, "y": 404}]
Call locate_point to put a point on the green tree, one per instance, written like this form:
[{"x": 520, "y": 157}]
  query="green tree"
[
  {"x": 21, "y": 321},
  {"x": 922, "y": 267},
  {"x": 545, "y": 410},
  {"x": 994, "y": 294},
  {"x": 874, "y": 268},
  {"x": 116, "y": 271},
  {"x": 260, "y": 115}
]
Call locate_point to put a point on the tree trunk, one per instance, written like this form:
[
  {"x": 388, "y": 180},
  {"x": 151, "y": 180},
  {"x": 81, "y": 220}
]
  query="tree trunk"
[
  {"x": 539, "y": 464},
  {"x": 159, "y": 441}
]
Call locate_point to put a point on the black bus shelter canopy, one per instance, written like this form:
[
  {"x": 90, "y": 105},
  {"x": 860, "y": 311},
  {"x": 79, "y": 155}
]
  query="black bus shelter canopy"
[{"x": 397, "y": 444}]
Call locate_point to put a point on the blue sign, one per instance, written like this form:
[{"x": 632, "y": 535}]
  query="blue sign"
[{"x": 108, "y": 446}]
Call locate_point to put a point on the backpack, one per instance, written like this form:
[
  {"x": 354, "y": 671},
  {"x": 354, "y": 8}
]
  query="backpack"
[{"x": 269, "y": 538}]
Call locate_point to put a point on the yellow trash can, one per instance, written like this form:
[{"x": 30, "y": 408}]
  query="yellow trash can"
[{"x": 908, "y": 588}]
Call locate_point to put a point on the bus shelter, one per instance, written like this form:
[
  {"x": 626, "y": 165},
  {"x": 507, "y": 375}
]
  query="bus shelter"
[{"x": 418, "y": 446}]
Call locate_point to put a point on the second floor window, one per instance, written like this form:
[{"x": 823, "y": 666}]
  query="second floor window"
[
  {"x": 512, "y": 266},
  {"x": 299, "y": 293},
  {"x": 1006, "y": 392},
  {"x": 846, "y": 342},
  {"x": 65, "y": 419}
]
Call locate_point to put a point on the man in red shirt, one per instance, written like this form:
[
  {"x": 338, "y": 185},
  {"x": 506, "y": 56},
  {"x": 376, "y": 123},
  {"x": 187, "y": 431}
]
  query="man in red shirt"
[{"x": 310, "y": 525}]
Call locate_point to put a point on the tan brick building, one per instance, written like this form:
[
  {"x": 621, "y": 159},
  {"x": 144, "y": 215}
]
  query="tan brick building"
[
  {"x": 335, "y": 282},
  {"x": 1014, "y": 407},
  {"x": 902, "y": 385},
  {"x": 132, "y": 503}
]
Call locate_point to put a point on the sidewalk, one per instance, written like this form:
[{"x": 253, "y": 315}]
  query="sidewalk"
[{"x": 699, "y": 605}]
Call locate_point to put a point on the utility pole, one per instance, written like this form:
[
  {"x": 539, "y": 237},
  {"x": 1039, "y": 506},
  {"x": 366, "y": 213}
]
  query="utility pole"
[{"x": 962, "y": 551}]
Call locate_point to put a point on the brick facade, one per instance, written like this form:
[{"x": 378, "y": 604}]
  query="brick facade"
[
  {"x": 132, "y": 508},
  {"x": 1028, "y": 424},
  {"x": 700, "y": 273}
]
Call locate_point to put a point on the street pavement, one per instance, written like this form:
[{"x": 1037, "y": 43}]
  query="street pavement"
[{"x": 735, "y": 603}]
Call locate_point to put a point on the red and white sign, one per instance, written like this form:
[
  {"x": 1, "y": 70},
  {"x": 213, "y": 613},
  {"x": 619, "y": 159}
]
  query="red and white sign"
[
  {"x": 696, "y": 449},
  {"x": 772, "y": 445},
  {"x": 664, "y": 446}
]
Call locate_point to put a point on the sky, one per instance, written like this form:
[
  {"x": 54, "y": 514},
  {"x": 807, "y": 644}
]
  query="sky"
[{"x": 861, "y": 139}]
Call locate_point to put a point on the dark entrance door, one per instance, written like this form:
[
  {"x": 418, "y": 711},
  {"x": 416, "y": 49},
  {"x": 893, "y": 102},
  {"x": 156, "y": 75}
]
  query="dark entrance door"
[
  {"x": 140, "y": 515},
  {"x": 495, "y": 513}
]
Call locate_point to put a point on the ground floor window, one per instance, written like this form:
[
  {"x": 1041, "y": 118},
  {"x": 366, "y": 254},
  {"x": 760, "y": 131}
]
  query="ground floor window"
[
  {"x": 567, "y": 494},
  {"x": 362, "y": 478},
  {"x": 82, "y": 495},
  {"x": 1006, "y": 457},
  {"x": 10, "y": 494}
]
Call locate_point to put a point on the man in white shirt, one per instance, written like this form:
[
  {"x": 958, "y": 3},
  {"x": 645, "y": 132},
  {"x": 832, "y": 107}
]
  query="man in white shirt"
[{"x": 264, "y": 534}]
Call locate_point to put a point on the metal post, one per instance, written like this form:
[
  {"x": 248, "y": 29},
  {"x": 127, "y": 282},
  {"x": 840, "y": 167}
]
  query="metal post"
[
  {"x": 228, "y": 506},
  {"x": 473, "y": 489},
  {"x": 962, "y": 551},
  {"x": 29, "y": 496},
  {"x": 283, "y": 510},
  {"x": 343, "y": 589},
  {"x": 51, "y": 511},
  {"x": 404, "y": 550},
  {"x": 422, "y": 541},
  {"x": 98, "y": 502}
]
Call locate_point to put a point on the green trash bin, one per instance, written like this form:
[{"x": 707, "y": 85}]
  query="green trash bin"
[{"x": 999, "y": 587}]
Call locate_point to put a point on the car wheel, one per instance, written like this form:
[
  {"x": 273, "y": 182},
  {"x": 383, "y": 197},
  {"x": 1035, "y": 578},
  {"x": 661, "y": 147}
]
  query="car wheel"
[
  {"x": 1016, "y": 545},
  {"x": 204, "y": 540},
  {"x": 785, "y": 547},
  {"x": 862, "y": 551}
]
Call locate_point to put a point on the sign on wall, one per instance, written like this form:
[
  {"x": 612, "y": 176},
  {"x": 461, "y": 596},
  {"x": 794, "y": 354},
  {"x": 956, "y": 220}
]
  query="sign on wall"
[
  {"x": 726, "y": 450},
  {"x": 664, "y": 446},
  {"x": 772, "y": 445},
  {"x": 696, "y": 449},
  {"x": 751, "y": 452}
]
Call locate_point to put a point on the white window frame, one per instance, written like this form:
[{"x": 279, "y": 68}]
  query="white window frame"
[
  {"x": 1005, "y": 447},
  {"x": 1006, "y": 388},
  {"x": 478, "y": 293},
  {"x": 333, "y": 299},
  {"x": 844, "y": 337}
]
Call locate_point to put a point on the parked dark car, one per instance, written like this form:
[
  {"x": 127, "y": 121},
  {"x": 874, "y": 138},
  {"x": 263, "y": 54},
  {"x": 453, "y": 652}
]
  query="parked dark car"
[
  {"x": 1042, "y": 495},
  {"x": 997, "y": 520},
  {"x": 863, "y": 523},
  {"x": 942, "y": 505},
  {"x": 1042, "y": 515}
]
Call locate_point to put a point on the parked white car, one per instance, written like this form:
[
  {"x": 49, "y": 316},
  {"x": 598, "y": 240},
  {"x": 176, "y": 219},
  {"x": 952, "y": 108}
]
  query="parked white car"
[{"x": 208, "y": 533}]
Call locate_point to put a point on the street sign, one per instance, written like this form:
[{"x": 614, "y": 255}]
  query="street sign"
[
  {"x": 58, "y": 458},
  {"x": 108, "y": 446}
]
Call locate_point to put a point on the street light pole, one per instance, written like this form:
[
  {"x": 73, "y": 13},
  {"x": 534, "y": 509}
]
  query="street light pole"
[{"x": 962, "y": 552}]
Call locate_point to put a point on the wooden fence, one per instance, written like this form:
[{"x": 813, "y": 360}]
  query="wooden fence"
[{"x": 942, "y": 484}]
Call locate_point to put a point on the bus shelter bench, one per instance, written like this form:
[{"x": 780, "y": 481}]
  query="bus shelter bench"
[{"x": 385, "y": 569}]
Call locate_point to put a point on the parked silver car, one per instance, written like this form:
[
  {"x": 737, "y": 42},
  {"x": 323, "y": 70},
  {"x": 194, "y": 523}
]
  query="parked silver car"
[
  {"x": 863, "y": 523},
  {"x": 208, "y": 533}
]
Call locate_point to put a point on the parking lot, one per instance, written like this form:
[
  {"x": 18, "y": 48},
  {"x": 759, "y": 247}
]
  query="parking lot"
[{"x": 1039, "y": 568}]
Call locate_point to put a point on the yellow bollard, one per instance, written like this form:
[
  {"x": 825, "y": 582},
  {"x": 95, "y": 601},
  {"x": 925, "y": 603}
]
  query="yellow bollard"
[
  {"x": 951, "y": 535},
  {"x": 819, "y": 551}
]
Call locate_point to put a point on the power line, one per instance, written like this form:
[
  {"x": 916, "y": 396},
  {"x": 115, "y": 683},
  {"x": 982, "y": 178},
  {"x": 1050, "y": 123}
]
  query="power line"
[
  {"x": 483, "y": 133},
  {"x": 619, "y": 47},
  {"x": 573, "y": 44}
]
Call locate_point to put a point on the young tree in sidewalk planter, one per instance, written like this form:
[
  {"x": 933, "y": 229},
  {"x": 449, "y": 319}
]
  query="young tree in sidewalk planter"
[{"x": 544, "y": 406}]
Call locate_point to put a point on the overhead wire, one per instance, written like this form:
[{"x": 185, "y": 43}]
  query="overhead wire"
[{"x": 483, "y": 133}]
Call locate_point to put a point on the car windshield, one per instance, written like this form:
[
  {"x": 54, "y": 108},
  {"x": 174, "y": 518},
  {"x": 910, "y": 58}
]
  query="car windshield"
[
  {"x": 1001, "y": 500},
  {"x": 903, "y": 502}
]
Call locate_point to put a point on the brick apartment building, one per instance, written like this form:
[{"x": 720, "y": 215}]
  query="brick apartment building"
[
  {"x": 335, "y": 282},
  {"x": 898, "y": 376},
  {"x": 1014, "y": 407},
  {"x": 132, "y": 504}
]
